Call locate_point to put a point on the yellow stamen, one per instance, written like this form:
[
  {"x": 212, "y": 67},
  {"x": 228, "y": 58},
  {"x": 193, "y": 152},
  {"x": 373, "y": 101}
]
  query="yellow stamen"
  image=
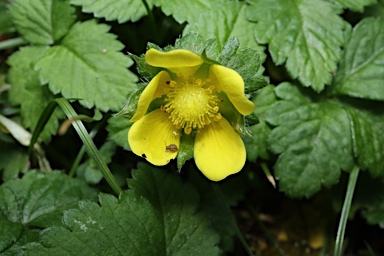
[{"x": 192, "y": 103}]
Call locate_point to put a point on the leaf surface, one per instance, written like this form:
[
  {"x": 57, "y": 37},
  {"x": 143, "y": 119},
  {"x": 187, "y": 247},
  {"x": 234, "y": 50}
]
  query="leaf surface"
[
  {"x": 122, "y": 11},
  {"x": 361, "y": 72},
  {"x": 297, "y": 33},
  {"x": 42, "y": 21},
  {"x": 27, "y": 91},
  {"x": 313, "y": 138},
  {"x": 156, "y": 217},
  {"x": 356, "y": 5},
  {"x": 88, "y": 65}
]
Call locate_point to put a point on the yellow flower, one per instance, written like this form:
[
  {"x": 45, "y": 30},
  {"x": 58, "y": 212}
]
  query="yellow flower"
[{"x": 191, "y": 95}]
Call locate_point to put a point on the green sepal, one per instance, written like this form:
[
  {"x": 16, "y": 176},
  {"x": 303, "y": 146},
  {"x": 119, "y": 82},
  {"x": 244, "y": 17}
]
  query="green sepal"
[
  {"x": 186, "y": 149},
  {"x": 130, "y": 107},
  {"x": 245, "y": 61}
]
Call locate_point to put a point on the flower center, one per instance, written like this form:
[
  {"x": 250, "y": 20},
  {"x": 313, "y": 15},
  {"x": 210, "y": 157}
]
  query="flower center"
[{"x": 191, "y": 103}]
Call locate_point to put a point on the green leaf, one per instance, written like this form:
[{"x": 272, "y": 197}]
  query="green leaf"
[
  {"x": 313, "y": 138},
  {"x": 37, "y": 200},
  {"x": 157, "y": 217},
  {"x": 5, "y": 19},
  {"x": 129, "y": 225},
  {"x": 42, "y": 21},
  {"x": 229, "y": 21},
  {"x": 9, "y": 233},
  {"x": 118, "y": 128},
  {"x": 90, "y": 170},
  {"x": 297, "y": 33},
  {"x": 186, "y": 231},
  {"x": 256, "y": 144},
  {"x": 368, "y": 140},
  {"x": 356, "y": 5},
  {"x": 361, "y": 72},
  {"x": 13, "y": 160},
  {"x": 27, "y": 91},
  {"x": 233, "y": 190},
  {"x": 89, "y": 66},
  {"x": 246, "y": 62},
  {"x": 122, "y": 11}
]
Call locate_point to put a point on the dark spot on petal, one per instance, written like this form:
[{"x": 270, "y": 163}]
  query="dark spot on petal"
[
  {"x": 167, "y": 82},
  {"x": 143, "y": 155}
]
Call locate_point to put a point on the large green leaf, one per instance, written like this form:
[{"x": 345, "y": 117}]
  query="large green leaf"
[
  {"x": 88, "y": 65},
  {"x": 229, "y": 20},
  {"x": 297, "y": 33},
  {"x": 122, "y": 11},
  {"x": 356, "y": 5},
  {"x": 313, "y": 138},
  {"x": 368, "y": 141},
  {"x": 42, "y": 21},
  {"x": 361, "y": 72},
  {"x": 156, "y": 217},
  {"x": 27, "y": 91},
  {"x": 185, "y": 231},
  {"x": 35, "y": 201}
]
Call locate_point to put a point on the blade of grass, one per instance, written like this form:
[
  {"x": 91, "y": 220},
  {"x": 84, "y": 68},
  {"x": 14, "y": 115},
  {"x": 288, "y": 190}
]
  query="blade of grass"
[
  {"x": 12, "y": 43},
  {"x": 225, "y": 207},
  {"x": 83, "y": 134},
  {"x": 345, "y": 211},
  {"x": 90, "y": 146}
]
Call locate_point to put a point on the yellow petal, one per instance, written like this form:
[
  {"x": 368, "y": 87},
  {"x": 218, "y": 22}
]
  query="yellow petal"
[
  {"x": 219, "y": 150},
  {"x": 177, "y": 61},
  {"x": 150, "y": 136},
  {"x": 154, "y": 89},
  {"x": 233, "y": 85}
]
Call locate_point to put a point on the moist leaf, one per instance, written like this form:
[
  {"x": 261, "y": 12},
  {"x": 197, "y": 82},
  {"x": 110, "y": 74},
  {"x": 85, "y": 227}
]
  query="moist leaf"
[
  {"x": 361, "y": 72},
  {"x": 313, "y": 138},
  {"x": 307, "y": 40},
  {"x": 88, "y": 65}
]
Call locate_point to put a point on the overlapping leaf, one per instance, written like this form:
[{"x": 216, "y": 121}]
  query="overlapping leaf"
[
  {"x": 157, "y": 217},
  {"x": 229, "y": 19},
  {"x": 27, "y": 91},
  {"x": 42, "y": 21},
  {"x": 88, "y": 65},
  {"x": 118, "y": 128},
  {"x": 297, "y": 33},
  {"x": 356, "y": 5},
  {"x": 368, "y": 140},
  {"x": 122, "y": 11},
  {"x": 36, "y": 200},
  {"x": 256, "y": 144},
  {"x": 313, "y": 138},
  {"x": 361, "y": 72},
  {"x": 186, "y": 231}
]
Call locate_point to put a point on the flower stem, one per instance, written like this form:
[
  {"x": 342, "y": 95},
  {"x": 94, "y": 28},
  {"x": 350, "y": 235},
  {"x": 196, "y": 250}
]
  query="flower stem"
[
  {"x": 345, "y": 211},
  {"x": 12, "y": 43}
]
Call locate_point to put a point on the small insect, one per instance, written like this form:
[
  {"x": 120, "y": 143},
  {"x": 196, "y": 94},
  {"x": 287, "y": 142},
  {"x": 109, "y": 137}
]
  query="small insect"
[{"x": 171, "y": 148}]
